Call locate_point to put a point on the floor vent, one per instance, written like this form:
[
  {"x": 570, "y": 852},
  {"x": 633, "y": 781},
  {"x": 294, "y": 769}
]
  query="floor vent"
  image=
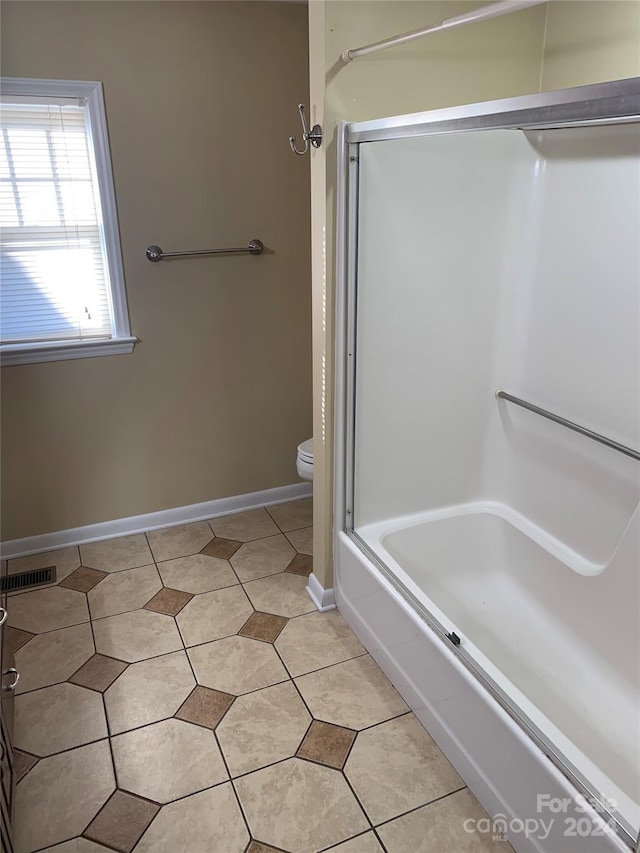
[{"x": 10, "y": 583}]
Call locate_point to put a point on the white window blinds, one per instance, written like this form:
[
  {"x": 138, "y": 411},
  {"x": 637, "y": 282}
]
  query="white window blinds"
[{"x": 54, "y": 272}]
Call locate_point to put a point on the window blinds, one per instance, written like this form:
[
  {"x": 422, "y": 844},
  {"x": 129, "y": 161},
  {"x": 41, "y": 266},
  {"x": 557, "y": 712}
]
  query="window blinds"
[{"x": 54, "y": 276}]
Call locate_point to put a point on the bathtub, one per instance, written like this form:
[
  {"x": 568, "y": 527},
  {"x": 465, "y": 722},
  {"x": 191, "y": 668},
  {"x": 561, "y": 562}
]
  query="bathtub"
[{"x": 402, "y": 606}]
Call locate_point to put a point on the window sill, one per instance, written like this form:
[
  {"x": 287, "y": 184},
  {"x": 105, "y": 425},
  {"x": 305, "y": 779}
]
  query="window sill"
[{"x": 63, "y": 350}]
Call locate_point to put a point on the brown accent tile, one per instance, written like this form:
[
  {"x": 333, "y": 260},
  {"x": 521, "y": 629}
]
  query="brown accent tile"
[
  {"x": 22, "y": 763},
  {"x": 258, "y": 847},
  {"x": 327, "y": 744},
  {"x": 263, "y": 626},
  {"x": 83, "y": 579},
  {"x": 221, "y": 548},
  {"x": 302, "y": 564},
  {"x": 205, "y": 707},
  {"x": 16, "y": 637},
  {"x": 168, "y": 601},
  {"x": 121, "y": 821},
  {"x": 98, "y": 673}
]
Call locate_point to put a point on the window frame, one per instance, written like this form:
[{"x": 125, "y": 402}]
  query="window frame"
[{"x": 121, "y": 340}]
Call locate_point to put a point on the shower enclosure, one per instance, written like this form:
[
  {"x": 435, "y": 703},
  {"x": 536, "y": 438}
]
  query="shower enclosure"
[{"x": 488, "y": 555}]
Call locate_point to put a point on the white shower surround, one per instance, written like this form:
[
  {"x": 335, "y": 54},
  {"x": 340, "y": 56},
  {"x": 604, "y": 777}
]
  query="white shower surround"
[{"x": 509, "y": 530}]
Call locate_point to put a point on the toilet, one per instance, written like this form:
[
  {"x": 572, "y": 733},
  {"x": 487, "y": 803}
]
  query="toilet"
[{"x": 304, "y": 460}]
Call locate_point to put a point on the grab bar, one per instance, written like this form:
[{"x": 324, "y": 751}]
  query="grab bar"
[
  {"x": 595, "y": 436},
  {"x": 155, "y": 253}
]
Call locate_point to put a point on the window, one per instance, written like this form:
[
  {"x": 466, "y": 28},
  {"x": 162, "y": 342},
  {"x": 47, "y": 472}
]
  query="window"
[{"x": 62, "y": 285}]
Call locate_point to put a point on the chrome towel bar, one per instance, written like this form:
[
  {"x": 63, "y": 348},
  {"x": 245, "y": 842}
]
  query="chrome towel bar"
[
  {"x": 155, "y": 253},
  {"x": 595, "y": 436}
]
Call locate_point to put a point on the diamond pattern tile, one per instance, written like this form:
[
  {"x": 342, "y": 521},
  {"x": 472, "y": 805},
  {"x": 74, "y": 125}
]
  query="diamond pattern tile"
[
  {"x": 224, "y": 549},
  {"x": 16, "y": 638},
  {"x": 301, "y": 565},
  {"x": 83, "y": 579},
  {"x": 263, "y": 626},
  {"x": 168, "y": 601},
  {"x": 121, "y": 821},
  {"x": 22, "y": 763},
  {"x": 327, "y": 744},
  {"x": 205, "y": 707},
  {"x": 98, "y": 673}
]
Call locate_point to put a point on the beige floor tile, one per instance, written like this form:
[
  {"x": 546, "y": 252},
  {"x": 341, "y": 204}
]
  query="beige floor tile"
[
  {"x": 262, "y": 557},
  {"x": 53, "y": 657},
  {"x": 48, "y": 609},
  {"x": 441, "y": 826},
  {"x": 368, "y": 843},
  {"x": 197, "y": 573},
  {"x": 283, "y": 594},
  {"x": 292, "y": 515},
  {"x": 48, "y": 811},
  {"x": 167, "y": 760},
  {"x": 237, "y": 665},
  {"x": 213, "y": 615},
  {"x": 124, "y": 590},
  {"x": 354, "y": 694},
  {"x": 287, "y": 806},
  {"x": 244, "y": 526},
  {"x": 64, "y": 559},
  {"x": 317, "y": 640},
  {"x": 135, "y": 636},
  {"x": 179, "y": 541},
  {"x": 78, "y": 845},
  {"x": 114, "y": 555},
  {"x": 396, "y": 766},
  {"x": 58, "y": 718},
  {"x": 302, "y": 540},
  {"x": 149, "y": 691},
  {"x": 263, "y": 727},
  {"x": 204, "y": 823}
]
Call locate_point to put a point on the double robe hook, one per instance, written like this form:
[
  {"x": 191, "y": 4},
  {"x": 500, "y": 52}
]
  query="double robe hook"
[{"x": 313, "y": 136}]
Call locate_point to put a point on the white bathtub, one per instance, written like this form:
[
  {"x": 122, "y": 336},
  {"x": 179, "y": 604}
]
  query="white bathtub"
[{"x": 497, "y": 623}]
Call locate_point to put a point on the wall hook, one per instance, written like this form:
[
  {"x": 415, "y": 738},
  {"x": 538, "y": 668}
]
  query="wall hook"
[{"x": 314, "y": 135}]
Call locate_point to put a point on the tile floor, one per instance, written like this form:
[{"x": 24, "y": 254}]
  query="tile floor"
[{"x": 179, "y": 693}]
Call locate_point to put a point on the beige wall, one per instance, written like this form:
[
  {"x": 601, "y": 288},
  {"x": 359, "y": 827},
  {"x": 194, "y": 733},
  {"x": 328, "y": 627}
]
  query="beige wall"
[
  {"x": 590, "y": 42},
  {"x": 581, "y": 42},
  {"x": 200, "y": 98},
  {"x": 494, "y": 59}
]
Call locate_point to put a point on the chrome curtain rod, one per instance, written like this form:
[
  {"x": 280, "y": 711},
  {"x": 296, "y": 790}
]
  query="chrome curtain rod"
[
  {"x": 481, "y": 14},
  {"x": 155, "y": 253},
  {"x": 595, "y": 436}
]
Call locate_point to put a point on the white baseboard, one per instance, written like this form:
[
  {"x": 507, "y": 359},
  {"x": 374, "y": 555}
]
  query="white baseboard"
[
  {"x": 152, "y": 521},
  {"x": 324, "y": 599}
]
